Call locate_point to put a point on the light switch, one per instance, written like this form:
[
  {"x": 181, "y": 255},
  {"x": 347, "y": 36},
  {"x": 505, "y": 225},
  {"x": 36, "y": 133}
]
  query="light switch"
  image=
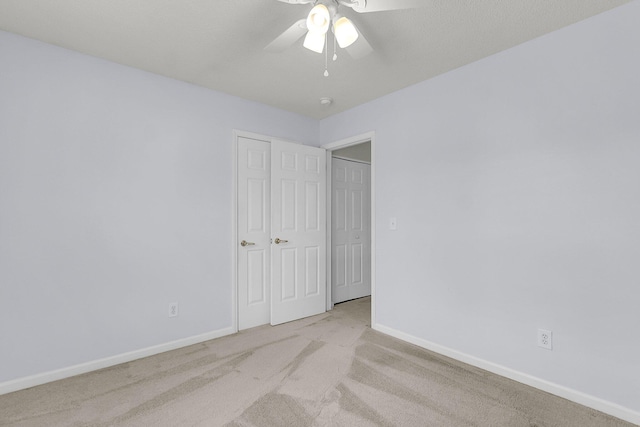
[{"x": 393, "y": 224}]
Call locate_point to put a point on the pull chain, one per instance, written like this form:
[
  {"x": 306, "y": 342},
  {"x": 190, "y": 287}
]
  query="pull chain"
[{"x": 326, "y": 57}]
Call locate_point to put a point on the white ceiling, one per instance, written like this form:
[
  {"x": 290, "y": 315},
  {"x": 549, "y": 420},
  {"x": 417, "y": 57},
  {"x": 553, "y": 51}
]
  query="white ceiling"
[{"x": 219, "y": 43}]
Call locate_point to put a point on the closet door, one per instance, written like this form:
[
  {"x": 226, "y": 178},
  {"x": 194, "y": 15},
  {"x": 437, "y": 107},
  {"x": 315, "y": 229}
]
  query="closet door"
[
  {"x": 351, "y": 233},
  {"x": 254, "y": 222},
  {"x": 298, "y": 231}
]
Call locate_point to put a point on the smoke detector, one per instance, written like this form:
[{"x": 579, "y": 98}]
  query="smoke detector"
[{"x": 326, "y": 101}]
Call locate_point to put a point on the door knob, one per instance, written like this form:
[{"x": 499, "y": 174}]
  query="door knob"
[
  {"x": 278, "y": 241},
  {"x": 245, "y": 243}
]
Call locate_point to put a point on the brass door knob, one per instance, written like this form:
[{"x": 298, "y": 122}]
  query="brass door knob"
[
  {"x": 245, "y": 243},
  {"x": 278, "y": 241}
]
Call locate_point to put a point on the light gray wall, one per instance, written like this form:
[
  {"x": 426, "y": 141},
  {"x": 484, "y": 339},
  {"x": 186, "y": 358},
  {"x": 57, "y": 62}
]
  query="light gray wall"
[
  {"x": 115, "y": 200},
  {"x": 516, "y": 186},
  {"x": 517, "y": 174}
]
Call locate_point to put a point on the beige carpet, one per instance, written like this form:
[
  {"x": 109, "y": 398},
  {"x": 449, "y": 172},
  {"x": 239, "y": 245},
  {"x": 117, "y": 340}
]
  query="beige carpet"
[{"x": 330, "y": 369}]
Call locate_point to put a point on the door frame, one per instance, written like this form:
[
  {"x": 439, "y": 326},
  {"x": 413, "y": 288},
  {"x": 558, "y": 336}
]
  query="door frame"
[{"x": 330, "y": 147}]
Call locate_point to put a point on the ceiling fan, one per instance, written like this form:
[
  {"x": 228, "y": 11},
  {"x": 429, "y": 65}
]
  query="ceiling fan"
[{"x": 324, "y": 16}]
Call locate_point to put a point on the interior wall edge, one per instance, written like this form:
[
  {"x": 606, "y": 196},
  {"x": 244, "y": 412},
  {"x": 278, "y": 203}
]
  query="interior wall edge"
[
  {"x": 94, "y": 365},
  {"x": 581, "y": 398}
]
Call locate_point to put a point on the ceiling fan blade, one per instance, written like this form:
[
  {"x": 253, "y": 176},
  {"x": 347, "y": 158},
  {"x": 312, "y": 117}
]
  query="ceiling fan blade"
[
  {"x": 383, "y": 5},
  {"x": 360, "y": 48},
  {"x": 289, "y": 37},
  {"x": 297, "y": 1}
]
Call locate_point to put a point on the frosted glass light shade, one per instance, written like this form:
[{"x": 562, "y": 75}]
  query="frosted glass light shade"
[
  {"x": 319, "y": 19},
  {"x": 314, "y": 41},
  {"x": 345, "y": 31}
]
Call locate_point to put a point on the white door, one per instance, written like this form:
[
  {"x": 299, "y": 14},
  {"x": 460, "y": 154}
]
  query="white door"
[
  {"x": 282, "y": 281},
  {"x": 254, "y": 222},
  {"x": 298, "y": 230},
  {"x": 351, "y": 230}
]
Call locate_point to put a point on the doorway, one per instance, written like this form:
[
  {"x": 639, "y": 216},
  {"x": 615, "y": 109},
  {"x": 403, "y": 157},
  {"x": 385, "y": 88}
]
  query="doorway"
[
  {"x": 360, "y": 148},
  {"x": 350, "y": 223}
]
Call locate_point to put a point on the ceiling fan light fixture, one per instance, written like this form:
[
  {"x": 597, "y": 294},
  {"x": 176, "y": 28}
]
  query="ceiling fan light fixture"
[
  {"x": 319, "y": 19},
  {"x": 314, "y": 41},
  {"x": 345, "y": 32}
]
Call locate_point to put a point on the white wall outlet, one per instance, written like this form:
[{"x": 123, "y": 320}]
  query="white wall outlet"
[
  {"x": 545, "y": 339},
  {"x": 173, "y": 309},
  {"x": 393, "y": 224}
]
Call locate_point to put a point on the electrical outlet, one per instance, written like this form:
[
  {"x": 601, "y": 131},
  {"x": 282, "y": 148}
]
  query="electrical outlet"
[
  {"x": 545, "y": 339},
  {"x": 173, "y": 309}
]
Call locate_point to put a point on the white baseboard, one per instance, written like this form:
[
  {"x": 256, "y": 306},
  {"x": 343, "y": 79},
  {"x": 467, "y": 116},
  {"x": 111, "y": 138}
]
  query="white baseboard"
[
  {"x": 94, "y": 365},
  {"x": 558, "y": 390}
]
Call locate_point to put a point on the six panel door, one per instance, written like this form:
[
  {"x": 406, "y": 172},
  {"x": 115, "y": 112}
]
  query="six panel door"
[
  {"x": 254, "y": 222},
  {"x": 298, "y": 230},
  {"x": 351, "y": 230}
]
